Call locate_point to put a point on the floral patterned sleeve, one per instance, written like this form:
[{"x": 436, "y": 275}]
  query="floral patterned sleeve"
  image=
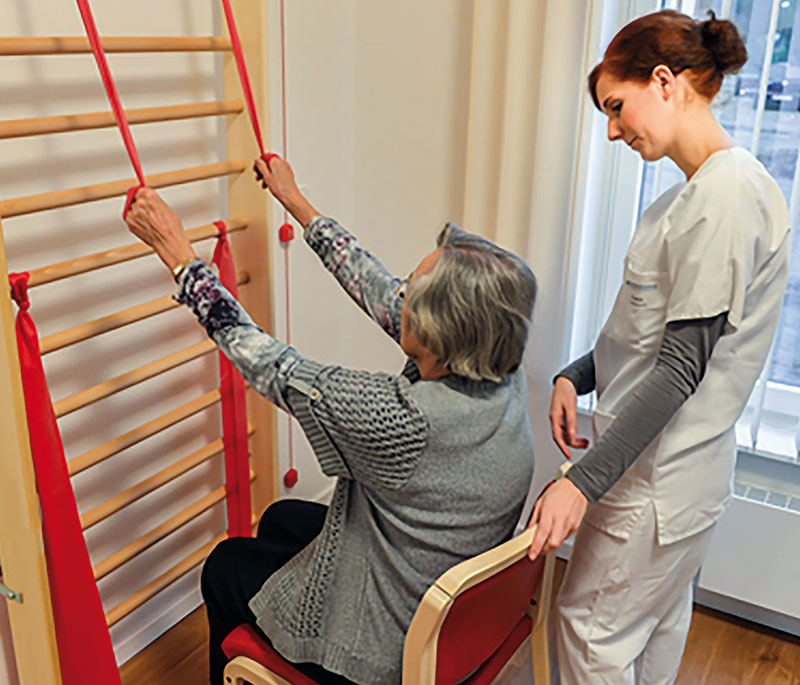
[
  {"x": 361, "y": 425},
  {"x": 364, "y": 278},
  {"x": 264, "y": 362}
]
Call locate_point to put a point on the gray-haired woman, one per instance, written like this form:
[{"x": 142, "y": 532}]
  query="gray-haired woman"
[{"x": 432, "y": 465}]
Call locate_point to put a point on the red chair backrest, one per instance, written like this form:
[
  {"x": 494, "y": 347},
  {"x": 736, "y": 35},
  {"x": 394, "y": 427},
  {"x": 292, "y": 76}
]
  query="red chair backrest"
[{"x": 481, "y": 619}]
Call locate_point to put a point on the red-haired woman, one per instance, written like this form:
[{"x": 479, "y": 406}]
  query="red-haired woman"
[{"x": 674, "y": 364}]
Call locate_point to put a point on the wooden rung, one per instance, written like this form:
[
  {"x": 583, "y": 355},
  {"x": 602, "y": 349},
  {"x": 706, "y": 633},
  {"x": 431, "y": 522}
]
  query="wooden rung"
[
  {"x": 152, "y": 589},
  {"x": 127, "y": 380},
  {"x": 126, "y": 497},
  {"x": 56, "y": 45},
  {"x": 119, "y": 255},
  {"x": 161, "y": 531},
  {"x": 28, "y": 204},
  {"x": 18, "y": 128},
  {"x": 146, "y": 430},
  {"x": 148, "y": 485},
  {"x": 84, "y": 331}
]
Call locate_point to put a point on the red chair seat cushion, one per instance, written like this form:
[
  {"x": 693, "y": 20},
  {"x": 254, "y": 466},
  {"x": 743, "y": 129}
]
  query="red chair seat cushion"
[{"x": 245, "y": 641}]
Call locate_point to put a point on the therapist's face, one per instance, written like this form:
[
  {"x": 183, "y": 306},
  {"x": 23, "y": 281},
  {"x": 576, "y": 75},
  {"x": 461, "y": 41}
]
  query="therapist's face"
[{"x": 640, "y": 114}]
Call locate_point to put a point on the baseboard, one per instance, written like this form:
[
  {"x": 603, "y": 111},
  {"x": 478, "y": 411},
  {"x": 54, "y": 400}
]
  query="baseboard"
[
  {"x": 747, "y": 611},
  {"x": 159, "y": 625}
]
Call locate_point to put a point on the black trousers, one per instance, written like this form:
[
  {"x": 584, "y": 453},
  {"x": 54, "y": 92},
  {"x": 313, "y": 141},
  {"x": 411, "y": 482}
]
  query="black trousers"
[{"x": 237, "y": 568}]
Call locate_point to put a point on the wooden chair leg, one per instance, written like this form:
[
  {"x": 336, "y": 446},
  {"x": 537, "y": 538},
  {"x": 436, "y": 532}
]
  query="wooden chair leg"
[
  {"x": 243, "y": 670},
  {"x": 540, "y": 653}
]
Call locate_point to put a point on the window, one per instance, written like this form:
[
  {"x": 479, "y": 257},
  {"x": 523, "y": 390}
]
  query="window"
[{"x": 760, "y": 109}]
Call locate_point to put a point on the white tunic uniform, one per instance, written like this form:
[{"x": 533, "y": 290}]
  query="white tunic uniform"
[{"x": 718, "y": 243}]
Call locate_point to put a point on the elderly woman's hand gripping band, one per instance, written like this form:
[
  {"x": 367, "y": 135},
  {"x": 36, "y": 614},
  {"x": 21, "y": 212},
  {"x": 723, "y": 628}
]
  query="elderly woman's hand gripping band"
[
  {"x": 152, "y": 221},
  {"x": 276, "y": 175}
]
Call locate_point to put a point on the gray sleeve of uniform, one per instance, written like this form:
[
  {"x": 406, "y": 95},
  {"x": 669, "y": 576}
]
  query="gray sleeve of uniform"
[
  {"x": 580, "y": 373},
  {"x": 679, "y": 368}
]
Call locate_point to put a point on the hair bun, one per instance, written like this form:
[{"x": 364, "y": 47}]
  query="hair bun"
[{"x": 722, "y": 39}]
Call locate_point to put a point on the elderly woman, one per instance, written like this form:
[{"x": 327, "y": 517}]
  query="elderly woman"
[{"x": 432, "y": 465}]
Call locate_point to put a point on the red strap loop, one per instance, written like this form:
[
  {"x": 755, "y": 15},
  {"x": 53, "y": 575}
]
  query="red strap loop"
[
  {"x": 269, "y": 157},
  {"x": 19, "y": 289},
  {"x": 130, "y": 198},
  {"x": 222, "y": 227}
]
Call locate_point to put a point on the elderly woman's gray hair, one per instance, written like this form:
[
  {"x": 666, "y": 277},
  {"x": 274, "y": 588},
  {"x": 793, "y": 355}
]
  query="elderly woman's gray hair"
[{"x": 474, "y": 308}]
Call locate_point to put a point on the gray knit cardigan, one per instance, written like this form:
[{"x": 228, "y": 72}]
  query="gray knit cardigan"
[{"x": 429, "y": 473}]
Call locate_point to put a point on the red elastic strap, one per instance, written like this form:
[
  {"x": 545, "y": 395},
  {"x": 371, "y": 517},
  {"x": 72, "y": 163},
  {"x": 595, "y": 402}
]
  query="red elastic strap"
[
  {"x": 111, "y": 89},
  {"x": 236, "y": 46},
  {"x": 85, "y": 655},
  {"x": 234, "y": 411}
]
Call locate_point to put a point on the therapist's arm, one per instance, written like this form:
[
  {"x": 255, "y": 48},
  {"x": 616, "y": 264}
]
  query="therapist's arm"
[
  {"x": 576, "y": 379},
  {"x": 679, "y": 368},
  {"x": 580, "y": 373}
]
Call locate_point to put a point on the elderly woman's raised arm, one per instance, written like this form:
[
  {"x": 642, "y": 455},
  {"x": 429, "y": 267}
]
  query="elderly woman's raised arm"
[{"x": 361, "y": 275}]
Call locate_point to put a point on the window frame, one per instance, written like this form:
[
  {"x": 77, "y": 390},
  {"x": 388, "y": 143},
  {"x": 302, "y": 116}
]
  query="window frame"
[{"x": 770, "y": 425}]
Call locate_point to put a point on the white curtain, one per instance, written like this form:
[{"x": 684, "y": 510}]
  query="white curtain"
[{"x": 528, "y": 114}]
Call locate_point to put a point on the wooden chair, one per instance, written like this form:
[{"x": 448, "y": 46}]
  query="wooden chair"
[{"x": 468, "y": 625}]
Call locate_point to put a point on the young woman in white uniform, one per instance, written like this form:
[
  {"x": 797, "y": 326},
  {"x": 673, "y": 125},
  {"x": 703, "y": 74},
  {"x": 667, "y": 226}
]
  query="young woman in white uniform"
[{"x": 673, "y": 366}]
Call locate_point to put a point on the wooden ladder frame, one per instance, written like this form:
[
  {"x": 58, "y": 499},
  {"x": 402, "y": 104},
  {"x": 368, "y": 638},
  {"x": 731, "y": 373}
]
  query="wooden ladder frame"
[{"x": 21, "y": 547}]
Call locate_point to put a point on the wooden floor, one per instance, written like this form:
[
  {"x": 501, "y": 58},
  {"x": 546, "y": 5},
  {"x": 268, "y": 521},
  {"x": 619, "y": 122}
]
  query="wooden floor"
[{"x": 720, "y": 650}]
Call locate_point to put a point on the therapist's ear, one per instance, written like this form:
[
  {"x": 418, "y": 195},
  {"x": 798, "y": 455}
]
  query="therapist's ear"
[{"x": 664, "y": 80}]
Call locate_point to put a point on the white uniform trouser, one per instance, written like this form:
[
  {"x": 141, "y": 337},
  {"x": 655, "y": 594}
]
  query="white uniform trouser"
[{"x": 625, "y": 606}]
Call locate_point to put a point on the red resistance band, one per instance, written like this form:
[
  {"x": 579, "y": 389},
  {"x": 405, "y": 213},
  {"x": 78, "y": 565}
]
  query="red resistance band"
[
  {"x": 286, "y": 232},
  {"x": 84, "y": 646},
  {"x": 113, "y": 98},
  {"x": 236, "y": 46},
  {"x": 234, "y": 411}
]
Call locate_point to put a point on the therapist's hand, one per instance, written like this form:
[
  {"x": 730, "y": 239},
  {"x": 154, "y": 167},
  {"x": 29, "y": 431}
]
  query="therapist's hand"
[
  {"x": 563, "y": 417},
  {"x": 278, "y": 178},
  {"x": 559, "y": 512}
]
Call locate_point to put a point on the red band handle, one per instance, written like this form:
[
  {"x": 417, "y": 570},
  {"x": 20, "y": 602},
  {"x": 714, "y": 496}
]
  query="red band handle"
[{"x": 267, "y": 159}]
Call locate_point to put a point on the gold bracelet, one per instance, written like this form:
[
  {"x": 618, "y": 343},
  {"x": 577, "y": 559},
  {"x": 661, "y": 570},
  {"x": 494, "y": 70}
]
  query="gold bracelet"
[{"x": 178, "y": 269}]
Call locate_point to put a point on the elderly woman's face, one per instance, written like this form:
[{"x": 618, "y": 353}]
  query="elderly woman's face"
[{"x": 408, "y": 341}]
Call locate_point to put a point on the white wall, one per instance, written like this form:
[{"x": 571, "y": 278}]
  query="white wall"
[
  {"x": 377, "y": 96},
  {"x": 377, "y": 115}
]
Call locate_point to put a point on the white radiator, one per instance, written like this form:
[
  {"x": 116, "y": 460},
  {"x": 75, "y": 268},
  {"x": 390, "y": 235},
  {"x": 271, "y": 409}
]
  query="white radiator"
[{"x": 753, "y": 566}]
